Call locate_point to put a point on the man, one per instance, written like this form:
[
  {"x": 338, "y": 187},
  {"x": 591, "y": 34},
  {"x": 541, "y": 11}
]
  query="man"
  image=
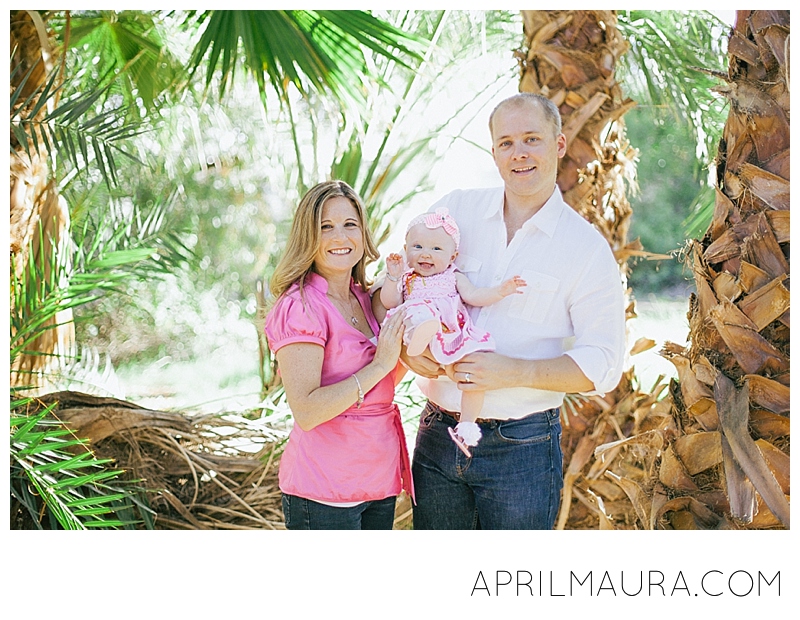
[{"x": 565, "y": 333}]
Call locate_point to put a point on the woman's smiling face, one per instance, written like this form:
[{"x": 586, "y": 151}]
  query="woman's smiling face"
[
  {"x": 341, "y": 242},
  {"x": 429, "y": 250}
]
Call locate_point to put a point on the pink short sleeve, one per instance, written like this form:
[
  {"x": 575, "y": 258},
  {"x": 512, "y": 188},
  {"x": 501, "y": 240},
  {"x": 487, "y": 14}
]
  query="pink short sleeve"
[{"x": 291, "y": 321}]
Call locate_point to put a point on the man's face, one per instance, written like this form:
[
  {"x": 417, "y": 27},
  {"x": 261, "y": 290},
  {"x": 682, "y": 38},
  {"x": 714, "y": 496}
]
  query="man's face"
[{"x": 526, "y": 151}]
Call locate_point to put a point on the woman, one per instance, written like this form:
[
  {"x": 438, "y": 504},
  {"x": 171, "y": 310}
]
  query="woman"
[{"x": 346, "y": 458}]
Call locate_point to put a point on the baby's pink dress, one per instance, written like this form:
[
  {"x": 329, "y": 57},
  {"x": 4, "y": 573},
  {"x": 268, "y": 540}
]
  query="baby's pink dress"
[{"x": 436, "y": 296}]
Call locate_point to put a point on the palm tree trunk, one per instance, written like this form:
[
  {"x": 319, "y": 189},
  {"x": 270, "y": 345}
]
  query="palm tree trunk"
[
  {"x": 734, "y": 375},
  {"x": 570, "y": 57},
  {"x": 714, "y": 453},
  {"x": 39, "y": 217}
]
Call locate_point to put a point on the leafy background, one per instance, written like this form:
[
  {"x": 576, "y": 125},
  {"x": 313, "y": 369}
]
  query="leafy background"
[{"x": 192, "y": 202}]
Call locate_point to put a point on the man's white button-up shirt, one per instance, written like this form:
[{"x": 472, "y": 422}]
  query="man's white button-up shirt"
[{"x": 573, "y": 302}]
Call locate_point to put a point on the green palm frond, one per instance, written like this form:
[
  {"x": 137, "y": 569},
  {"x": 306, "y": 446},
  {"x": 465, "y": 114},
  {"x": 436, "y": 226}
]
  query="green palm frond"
[
  {"x": 125, "y": 45},
  {"x": 668, "y": 49},
  {"x": 111, "y": 248},
  {"x": 125, "y": 234},
  {"x": 54, "y": 476},
  {"x": 316, "y": 51},
  {"x": 41, "y": 294},
  {"x": 700, "y": 213},
  {"x": 672, "y": 61},
  {"x": 374, "y": 179},
  {"x": 373, "y": 183},
  {"x": 80, "y": 129}
]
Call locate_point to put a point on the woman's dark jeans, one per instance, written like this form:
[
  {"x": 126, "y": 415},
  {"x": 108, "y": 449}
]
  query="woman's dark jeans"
[{"x": 306, "y": 514}]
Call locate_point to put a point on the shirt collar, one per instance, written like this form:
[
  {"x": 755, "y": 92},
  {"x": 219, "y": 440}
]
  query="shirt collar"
[
  {"x": 546, "y": 218},
  {"x": 317, "y": 282},
  {"x": 496, "y": 206}
]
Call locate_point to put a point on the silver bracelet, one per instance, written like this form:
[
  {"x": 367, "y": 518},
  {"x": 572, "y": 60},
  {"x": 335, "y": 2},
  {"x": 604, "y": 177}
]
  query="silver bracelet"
[
  {"x": 360, "y": 400},
  {"x": 393, "y": 278}
]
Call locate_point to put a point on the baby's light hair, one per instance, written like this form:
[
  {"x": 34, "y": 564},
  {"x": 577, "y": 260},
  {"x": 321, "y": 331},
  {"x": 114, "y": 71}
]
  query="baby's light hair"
[{"x": 440, "y": 219}]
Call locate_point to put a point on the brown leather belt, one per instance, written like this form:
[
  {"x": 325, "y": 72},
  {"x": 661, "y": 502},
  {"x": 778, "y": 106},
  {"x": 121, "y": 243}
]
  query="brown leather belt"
[{"x": 456, "y": 415}]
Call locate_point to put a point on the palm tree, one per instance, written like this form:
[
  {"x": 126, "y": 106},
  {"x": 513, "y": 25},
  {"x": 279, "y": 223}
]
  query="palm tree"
[
  {"x": 571, "y": 57},
  {"x": 733, "y": 394},
  {"x": 39, "y": 216},
  {"x": 292, "y": 51}
]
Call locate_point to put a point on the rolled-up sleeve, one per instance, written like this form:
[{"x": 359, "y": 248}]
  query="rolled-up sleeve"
[{"x": 597, "y": 312}]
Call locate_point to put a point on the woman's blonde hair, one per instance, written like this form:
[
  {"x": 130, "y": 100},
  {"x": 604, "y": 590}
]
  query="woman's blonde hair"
[{"x": 304, "y": 238}]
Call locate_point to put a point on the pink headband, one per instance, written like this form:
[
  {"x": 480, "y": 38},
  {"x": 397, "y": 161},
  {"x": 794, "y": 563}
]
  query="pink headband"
[{"x": 441, "y": 218}]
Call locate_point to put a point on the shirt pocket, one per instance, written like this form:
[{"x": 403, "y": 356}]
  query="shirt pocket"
[
  {"x": 468, "y": 264},
  {"x": 534, "y": 304}
]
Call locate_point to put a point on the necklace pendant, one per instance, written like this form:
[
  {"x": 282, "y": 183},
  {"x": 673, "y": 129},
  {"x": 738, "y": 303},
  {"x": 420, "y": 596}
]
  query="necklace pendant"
[{"x": 354, "y": 320}]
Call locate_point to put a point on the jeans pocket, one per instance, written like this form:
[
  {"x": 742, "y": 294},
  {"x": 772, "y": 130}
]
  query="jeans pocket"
[
  {"x": 527, "y": 430},
  {"x": 427, "y": 417}
]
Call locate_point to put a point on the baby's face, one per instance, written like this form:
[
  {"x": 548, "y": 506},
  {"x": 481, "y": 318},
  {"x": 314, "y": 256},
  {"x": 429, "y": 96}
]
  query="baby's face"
[{"x": 429, "y": 251}]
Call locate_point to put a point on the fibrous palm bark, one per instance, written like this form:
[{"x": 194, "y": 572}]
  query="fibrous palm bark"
[
  {"x": 570, "y": 57},
  {"x": 39, "y": 217},
  {"x": 733, "y": 388},
  {"x": 714, "y": 453}
]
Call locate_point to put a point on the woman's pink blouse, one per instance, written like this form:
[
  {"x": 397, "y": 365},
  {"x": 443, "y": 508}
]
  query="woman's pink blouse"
[{"x": 361, "y": 454}]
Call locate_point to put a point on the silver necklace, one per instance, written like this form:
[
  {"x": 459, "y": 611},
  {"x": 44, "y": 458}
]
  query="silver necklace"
[{"x": 353, "y": 318}]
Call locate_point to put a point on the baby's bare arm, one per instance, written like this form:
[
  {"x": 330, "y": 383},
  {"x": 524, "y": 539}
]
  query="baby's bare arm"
[
  {"x": 479, "y": 296},
  {"x": 391, "y": 296}
]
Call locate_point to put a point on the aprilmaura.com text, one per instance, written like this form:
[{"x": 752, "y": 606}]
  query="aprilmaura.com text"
[{"x": 654, "y": 583}]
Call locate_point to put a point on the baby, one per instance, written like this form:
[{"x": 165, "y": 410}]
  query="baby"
[{"x": 433, "y": 294}]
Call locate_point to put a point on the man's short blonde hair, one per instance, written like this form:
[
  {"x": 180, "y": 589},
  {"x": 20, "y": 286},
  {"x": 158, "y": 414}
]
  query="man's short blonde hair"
[{"x": 549, "y": 108}]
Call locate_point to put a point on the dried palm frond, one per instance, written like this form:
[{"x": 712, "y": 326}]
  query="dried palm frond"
[{"x": 204, "y": 472}]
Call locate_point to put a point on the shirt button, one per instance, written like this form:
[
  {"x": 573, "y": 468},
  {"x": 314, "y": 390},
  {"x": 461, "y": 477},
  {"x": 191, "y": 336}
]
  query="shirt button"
[{"x": 497, "y": 278}]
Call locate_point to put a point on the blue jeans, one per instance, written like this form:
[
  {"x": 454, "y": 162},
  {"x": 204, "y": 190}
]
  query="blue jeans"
[
  {"x": 512, "y": 481},
  {"x": 306, "y": 514}
]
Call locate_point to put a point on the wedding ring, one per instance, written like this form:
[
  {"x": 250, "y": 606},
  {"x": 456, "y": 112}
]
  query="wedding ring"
[{"x": 467, "y": 379}]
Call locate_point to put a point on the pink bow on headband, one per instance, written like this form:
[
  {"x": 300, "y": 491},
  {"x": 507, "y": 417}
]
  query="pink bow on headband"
[{"x": 441, "y": 218}]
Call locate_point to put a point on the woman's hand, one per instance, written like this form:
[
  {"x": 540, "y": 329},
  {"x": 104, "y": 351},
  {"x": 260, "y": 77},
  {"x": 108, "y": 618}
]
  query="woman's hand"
[{"x": 390, "y": 340}]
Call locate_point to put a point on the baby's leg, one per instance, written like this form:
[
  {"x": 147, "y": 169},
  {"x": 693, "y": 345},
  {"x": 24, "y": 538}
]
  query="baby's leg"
[
  {"x": 471, "y": 405},
  {"x": 420, "y": 336},
  {"x": 467, "y": 432}
]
